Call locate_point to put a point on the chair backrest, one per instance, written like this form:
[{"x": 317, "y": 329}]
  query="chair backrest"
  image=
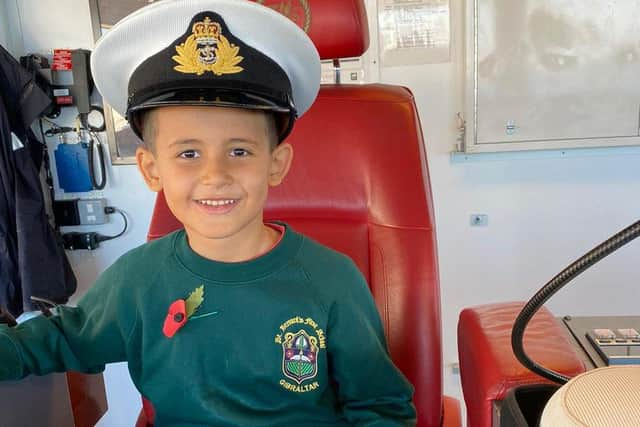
[{"x": 359, "y": 184}]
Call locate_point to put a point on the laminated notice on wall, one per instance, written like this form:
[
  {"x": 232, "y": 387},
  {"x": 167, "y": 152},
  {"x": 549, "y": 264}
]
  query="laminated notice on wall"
[{"x": 414, "y": 31}]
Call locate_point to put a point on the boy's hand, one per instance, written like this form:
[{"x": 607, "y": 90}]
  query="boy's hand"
[{"x": 6, "y": 317}]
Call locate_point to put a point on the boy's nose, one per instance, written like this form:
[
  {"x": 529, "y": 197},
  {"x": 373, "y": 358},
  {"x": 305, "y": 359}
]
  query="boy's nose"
[{"x": 216, "y": 173}]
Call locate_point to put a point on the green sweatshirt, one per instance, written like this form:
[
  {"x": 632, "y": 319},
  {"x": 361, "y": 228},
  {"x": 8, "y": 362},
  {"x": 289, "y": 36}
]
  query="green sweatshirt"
[{"x": 292, "y": 337}]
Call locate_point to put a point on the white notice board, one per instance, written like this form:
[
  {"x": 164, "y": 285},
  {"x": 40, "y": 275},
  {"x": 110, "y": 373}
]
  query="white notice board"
[
  {"x": 550, "y": 74},
  {"x": 414, "y": 32}
]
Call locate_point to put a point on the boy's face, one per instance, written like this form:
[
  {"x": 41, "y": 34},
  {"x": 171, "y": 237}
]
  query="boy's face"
[{"x": 215, "y": 166}]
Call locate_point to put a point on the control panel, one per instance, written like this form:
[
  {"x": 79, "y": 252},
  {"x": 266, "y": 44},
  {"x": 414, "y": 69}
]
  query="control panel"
[{"x": 619, "y": 346}]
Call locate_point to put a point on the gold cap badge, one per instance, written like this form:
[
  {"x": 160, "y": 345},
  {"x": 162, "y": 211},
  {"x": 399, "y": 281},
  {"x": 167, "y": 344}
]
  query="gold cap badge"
[{"x": 206, "y": 49}]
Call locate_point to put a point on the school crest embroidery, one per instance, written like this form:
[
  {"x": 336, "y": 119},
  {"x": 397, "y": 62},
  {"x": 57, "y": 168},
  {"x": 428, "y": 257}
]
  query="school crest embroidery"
[
  {"x": 207, "y": 49},
  {"x": 301, "y": 340},
  {"x": 300, "y": 356}
]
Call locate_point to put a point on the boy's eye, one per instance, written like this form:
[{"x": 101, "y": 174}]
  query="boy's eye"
[
  {"x": 239, "y": 152},
  {"x": 189, "y": 154}
]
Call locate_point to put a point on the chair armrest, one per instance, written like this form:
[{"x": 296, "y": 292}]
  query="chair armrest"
[{"x": 488, "y": 367}]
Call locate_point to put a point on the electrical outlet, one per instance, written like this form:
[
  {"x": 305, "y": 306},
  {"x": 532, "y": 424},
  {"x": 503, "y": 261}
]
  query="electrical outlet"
[{"x": 479, "y": 220}]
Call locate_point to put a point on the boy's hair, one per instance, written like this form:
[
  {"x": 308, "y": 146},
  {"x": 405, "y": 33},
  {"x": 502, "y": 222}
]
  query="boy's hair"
[{"x": 147, "y": 121}]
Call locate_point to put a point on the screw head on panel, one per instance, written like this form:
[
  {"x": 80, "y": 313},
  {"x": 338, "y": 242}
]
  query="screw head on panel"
[{"x": 479, "y": 220}]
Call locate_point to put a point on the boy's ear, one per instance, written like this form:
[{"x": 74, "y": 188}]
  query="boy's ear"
[
  {"x": 148, "y": 168},
  {"x": 281, "y": 158}
]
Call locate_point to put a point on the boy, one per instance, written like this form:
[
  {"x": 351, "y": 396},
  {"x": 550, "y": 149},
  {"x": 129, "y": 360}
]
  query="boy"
[{"x": 230, "y": 321}]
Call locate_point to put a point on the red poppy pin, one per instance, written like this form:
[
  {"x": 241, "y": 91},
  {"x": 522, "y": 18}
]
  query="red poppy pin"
[{"x": 181, "y": 310}]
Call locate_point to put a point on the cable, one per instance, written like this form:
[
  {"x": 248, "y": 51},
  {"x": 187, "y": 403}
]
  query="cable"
[
  {"x": 554, "y": 285},
  {"x": 55, "y": 130},
  {"x": 92, "y": 174},
  {"x": 110, "y": 210},
  {"x": 51, "y": 122},
  {"x": 77, "y": 240}
]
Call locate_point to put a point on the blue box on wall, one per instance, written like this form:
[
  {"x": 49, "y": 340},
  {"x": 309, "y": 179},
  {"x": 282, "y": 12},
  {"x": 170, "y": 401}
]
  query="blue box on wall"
[{"x": 72, "y": 165}]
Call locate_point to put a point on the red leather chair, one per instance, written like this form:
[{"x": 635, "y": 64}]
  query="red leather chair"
[{"x": 359, "y": 184}]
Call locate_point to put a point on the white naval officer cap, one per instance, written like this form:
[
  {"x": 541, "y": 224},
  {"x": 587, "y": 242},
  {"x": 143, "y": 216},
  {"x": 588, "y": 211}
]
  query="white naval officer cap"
[{"x": 228, "y": 53}]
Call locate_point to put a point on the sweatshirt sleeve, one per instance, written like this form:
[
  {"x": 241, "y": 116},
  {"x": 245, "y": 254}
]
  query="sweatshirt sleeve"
[
  {"x": 82, "y": 338},
  {"x": 371, "y": 390}
]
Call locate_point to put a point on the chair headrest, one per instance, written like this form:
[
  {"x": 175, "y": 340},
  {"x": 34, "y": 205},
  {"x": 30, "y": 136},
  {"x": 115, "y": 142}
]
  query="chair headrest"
[{"x": 338, "y": 28}]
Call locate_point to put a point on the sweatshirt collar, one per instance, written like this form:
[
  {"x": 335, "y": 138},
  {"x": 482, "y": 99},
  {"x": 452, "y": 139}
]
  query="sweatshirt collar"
[{"x": 231, "y": 273}]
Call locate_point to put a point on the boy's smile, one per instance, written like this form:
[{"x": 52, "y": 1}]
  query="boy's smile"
[{"x": 215, "y": 166}]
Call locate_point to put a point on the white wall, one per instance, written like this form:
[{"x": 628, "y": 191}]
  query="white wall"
[
  {"x": 544, "y": 210},
  {"x": 9, "y": 27},
  {"x": 4, "y": 31}
]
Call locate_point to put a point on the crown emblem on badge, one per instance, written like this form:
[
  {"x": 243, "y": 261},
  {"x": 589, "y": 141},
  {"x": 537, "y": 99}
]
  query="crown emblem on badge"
[
  {"x": 206, "y": 49},
  {"x": 206, "y": 29}
]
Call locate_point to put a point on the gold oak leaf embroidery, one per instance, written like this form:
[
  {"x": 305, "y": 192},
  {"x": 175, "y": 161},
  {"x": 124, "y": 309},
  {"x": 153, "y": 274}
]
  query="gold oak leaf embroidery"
[{"x": 226, "y": 52}]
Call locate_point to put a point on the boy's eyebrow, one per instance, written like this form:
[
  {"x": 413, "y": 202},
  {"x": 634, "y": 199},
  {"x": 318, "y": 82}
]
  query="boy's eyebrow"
[
  {"x": 188, "y": 141},
  {"x": 184, "y": 142},
  {"x": 245, "y": 141}
]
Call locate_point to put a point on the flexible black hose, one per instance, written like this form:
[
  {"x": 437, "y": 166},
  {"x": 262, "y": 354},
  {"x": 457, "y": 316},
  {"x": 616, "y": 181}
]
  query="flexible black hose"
[
  {"x": 565, "y": 276},
  {"x": 92, "y": 172}
]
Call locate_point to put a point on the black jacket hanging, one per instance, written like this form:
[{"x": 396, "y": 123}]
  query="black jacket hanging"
[{"x": 32, "y": 260}]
